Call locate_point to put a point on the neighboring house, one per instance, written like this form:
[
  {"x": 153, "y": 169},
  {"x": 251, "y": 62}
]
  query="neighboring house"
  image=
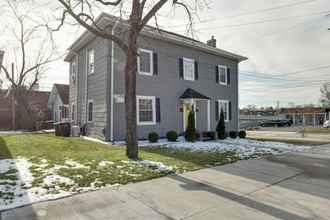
[
  {"x": 58, "y": 102},
  {"x": 175, "y": 74},
  {"x": 37, "y": 100}
]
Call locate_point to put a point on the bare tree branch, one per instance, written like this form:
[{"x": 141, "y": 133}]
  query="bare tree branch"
[
  {"x": 114, "y": 3},
  {"x": 152, "y": 12},
  {"x": 92, "y": 29}
]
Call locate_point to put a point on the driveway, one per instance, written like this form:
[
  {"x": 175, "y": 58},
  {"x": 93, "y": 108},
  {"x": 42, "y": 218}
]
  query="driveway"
[{"x": 291, "y": 186}]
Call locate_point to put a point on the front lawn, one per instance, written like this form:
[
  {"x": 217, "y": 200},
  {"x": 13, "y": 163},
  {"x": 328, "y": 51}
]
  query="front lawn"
[{"x": 41, "y": 167}]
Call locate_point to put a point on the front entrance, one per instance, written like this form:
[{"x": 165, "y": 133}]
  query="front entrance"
[{"x": 187, "y": 108}]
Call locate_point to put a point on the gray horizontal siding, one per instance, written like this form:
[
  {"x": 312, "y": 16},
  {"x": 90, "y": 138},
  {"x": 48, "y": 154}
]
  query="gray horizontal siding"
[{"x": 168, "y": 86}]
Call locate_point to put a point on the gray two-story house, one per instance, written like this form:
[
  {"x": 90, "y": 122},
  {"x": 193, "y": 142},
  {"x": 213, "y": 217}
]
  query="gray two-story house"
[{"x": 175, "y": 75}]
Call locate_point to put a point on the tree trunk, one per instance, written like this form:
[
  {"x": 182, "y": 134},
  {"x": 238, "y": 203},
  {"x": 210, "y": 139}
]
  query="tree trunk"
[{"x": 130, "y": 95}]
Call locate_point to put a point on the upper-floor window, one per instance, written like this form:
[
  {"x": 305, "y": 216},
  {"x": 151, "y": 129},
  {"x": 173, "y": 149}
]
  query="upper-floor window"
[
  {"x": 146, "y": 110},
  {"x": 188, "y": 69},
  {"x": 91, "y": 61},
  {"x": 223, "y": 75},
  {"x": 90, "y": 110},
  {"x": 145, "y": 62},
  {"x": 224, "y": 106},
  {"x": 74, "y": 70}
]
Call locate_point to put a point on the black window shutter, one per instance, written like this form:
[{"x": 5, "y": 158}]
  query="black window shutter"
[
  {"x": 155, "y": 62},
  {"x": 157, "y": 110},
  {"x": 181, "y": 67},
  {"x": 216, "y": 110},
  {"x": 196, "y": 70},
  {"x": 217, "y": 73},
  {"x": 230, "y": 111},
  {"x": 228, "y": 76}
]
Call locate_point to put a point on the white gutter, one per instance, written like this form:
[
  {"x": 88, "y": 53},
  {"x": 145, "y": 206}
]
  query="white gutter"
[{"x": 112, "y": 80}]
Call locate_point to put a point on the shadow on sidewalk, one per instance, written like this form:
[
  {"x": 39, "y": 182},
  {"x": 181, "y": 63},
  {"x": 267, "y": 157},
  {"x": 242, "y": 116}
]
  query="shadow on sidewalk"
[
  {"x": 13, "y": 192},
  {"x": 191, "y": 185}
]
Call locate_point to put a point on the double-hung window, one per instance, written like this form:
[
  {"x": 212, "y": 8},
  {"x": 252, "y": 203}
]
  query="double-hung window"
[
  {"x": 145, "y": 62},
  {"x": 90, "y": 115},
  {"x": 224, "y": 106},
  {"x": 146, "y": 110},
  {"x": 223, "y": 75},
  {"x": 91, "y": 61},
  {"x": 188, "y": 69}
]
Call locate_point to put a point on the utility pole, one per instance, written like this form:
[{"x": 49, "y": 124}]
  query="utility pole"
[
  {"x": 13, "y": 101},
  {"x": 2, "y": 53}
]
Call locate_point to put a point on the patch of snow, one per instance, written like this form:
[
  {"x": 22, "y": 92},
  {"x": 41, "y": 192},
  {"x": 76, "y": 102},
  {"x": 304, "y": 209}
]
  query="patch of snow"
[
  {"x": 105, "y": 163},
  {"x": 158, "y": 166},
  {"x": 74, "y": 164},
  {"x": 244, "y": 148},
  {"x": 95, "y": 140}
]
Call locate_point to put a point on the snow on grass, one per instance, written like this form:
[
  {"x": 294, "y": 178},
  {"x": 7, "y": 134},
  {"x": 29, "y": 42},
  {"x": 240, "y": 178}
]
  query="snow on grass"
[
  {"x": 244, "y": 148},
  {"x": 25, "y": 181}
]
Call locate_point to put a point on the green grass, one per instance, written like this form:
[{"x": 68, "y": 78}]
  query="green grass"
[
  {"x": 290, "y": 141},
  {"x": 57, "y": 150},
  {"x": 317, "y": 130}
]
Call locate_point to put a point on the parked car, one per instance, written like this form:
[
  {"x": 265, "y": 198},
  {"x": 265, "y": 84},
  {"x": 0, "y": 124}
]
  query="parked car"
[
  {"x": 326, "y": 124},
  {"x": 277, "y": 123}
]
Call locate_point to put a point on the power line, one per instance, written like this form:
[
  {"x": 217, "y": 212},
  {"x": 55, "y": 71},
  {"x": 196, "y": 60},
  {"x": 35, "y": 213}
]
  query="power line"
[
  {"x": 251, "y": 12},
  {"x": 288, "y": 73},
  {"x": 261, "y": 21}
]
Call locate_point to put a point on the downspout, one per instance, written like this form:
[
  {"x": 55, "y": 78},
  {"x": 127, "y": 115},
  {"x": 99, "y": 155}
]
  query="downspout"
[
  {"x": 112, "y": 81},
  {"x": 238, "y": 99}
]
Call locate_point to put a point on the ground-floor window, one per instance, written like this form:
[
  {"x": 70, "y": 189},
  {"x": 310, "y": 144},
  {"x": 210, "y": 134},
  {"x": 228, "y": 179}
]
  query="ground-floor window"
[
  {"x": 146, "y": 110},
  {"x": 90, "y": 110},
  {"x": 224, "y": 105},
  {"x": 64, "y": 112}
]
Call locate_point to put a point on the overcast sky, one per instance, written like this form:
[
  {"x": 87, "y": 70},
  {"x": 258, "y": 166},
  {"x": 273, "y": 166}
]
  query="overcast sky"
[{"x": 287, "y": 43}]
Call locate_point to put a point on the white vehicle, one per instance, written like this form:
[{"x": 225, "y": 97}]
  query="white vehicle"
[{"x": 326, "y": 124}]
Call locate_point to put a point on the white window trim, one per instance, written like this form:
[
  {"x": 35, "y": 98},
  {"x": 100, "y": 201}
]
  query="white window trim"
[
  {"x": 90, "y": 101},
  {"x": 88, "y": 61},
  {"x": 150, "y": 52},
  {"x": 184, "y": 72},
  {"x": 153, "y": 98},
  {"x": 227, "y": 110},
  {"x": 226, "y": 75}
]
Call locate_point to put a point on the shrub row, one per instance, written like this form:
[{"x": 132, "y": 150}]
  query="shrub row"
[{"x": 172, "y": 136}]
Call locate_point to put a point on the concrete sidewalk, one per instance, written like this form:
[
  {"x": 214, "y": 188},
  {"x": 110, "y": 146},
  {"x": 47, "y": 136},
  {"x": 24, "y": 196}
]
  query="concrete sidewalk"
[{"x": 291, "y": 186}]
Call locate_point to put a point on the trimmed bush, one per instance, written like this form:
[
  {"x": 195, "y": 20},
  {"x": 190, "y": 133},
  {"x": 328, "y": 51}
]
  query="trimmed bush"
[
  {"x": 172, "y": 136},
  {"x": 233, "y": 134},
  {"x": 242, "y": 134},
  {"x": 221, "y": 127},
  {"x": 198, "y": 136},
  {"x": 153, "y": 137},
  {"x": 190, "y": 134},
  {"x": 211, "y": 135}
]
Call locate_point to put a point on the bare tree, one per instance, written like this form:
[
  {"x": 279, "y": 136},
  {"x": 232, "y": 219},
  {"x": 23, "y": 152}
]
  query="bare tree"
[
  {"x": 30, "y": 50},
  {"x": 141, "y": 12},
  {"x": 325, "y": 95}
]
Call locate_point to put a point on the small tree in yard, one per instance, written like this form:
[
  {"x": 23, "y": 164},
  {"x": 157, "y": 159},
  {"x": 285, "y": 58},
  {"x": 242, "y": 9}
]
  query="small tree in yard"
[
  {"x": 190, "y": 134},
  {"x": 221, "y": 127}
]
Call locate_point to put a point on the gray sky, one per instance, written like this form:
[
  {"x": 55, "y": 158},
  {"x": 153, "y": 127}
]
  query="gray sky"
[{"x": 287, "y": 42}]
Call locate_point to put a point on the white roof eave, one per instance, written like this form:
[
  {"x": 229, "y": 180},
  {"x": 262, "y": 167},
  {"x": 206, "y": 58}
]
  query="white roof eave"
[{"x": 104, "y": 19}]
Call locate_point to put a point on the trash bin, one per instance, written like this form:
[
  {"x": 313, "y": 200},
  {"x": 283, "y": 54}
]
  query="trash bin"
[
  {"x": 75, "y": 131},
  {"x": 62, "y": 129}
]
